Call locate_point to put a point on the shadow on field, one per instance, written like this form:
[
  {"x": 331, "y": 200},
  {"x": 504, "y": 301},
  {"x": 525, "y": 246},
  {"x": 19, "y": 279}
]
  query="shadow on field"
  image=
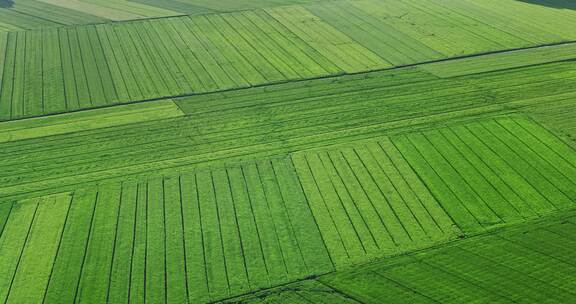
[
  {"x": 6, "y": 3},
  {"x": 565, "y": 4}
]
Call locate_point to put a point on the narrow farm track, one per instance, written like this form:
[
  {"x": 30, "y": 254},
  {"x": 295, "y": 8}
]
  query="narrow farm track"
[{"x": 287, "y": 151}]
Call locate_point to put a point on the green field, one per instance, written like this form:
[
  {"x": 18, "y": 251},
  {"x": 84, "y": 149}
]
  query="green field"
[
  {"x": 527, "y": 263},
  {"x": 287, "y": 151}
]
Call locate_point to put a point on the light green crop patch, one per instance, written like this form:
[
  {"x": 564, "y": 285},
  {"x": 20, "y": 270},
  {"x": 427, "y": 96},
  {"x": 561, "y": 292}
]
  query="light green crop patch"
[
  {"x": 30, "y": 231},
  {"x": 502, "y": 61},
  {"x": 87, "y": 120},
  {"x": 116, "y": 10}
]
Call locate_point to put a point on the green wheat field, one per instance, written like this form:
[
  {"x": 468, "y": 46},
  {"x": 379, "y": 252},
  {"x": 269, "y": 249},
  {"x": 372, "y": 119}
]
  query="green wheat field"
[{"x": 288, "y": 151}]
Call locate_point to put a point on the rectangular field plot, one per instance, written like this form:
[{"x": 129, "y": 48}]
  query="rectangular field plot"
[
  {"x": 369, "y": 203},
  {"x": 502, "y": 61},
  {"x": 405, "y": 32},
  {"x": 70, "y": 68},
  {"x": 29, "y": 236},
  {"x": 493, "y": 172},
  {"x": 328, "y": 41},
  {"x": 87, "y": 120},
  {"x": 530, "y": 263},
  {"x": 193, "y": 237},
  {"x": 557, "y": 115},
  {"x": 397, "y": 194},
  {"x": 36, "y": 14}
]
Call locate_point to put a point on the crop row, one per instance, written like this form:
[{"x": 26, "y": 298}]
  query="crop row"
[
  {"x": 530, "y": 263},
  {"x": 525, "y": 263},
  {"x": 410, "y": 31},
  {"x": 62, "y": 69},
  {"x": 493, "y": 172},
  {"x": 502, "y": 61},
  {"x": 383, "y": 198},
  {"x": 260, "y": 122},
  {"x": 19, "y": 15},
  {"x": 369, "y": 203},
  {"x": 192, "y": 237},
  {"x": 558, "y": 115}
]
